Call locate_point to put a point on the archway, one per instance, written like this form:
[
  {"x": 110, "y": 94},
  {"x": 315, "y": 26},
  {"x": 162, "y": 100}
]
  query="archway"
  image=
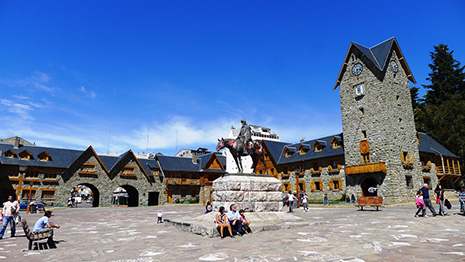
[
  {"x": 366, "y": 184},
  {"x": 89, "y": 193},
  {"x": 133, "y": 195}
]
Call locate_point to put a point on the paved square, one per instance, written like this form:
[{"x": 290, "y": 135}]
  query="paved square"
[{"x": 332, "y": 234}]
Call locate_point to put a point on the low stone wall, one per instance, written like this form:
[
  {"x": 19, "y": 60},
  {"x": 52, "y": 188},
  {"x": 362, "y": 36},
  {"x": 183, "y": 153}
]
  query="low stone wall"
[{"x": 251, "y": 192}]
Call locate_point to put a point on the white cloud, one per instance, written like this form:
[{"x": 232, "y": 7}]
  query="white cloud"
[
  {"x": 20, "y": 109},
  {"x": 88, "y": 93}
]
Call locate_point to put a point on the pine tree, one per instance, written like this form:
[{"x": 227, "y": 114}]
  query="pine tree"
[
  {"x": 447, "y": 77},
  {"x": 442, "y": 113}
]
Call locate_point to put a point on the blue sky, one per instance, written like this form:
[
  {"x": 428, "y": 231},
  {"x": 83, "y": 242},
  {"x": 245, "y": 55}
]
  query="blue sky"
[{"x": 107, "y": 73}]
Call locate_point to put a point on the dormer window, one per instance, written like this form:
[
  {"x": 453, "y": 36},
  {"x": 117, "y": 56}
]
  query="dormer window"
[
  {"x": 25, "y": 155},
  {"x": 303, "y": 149},
  {"x": 44, "y": 156},
  {"x": 288, "y": 151},
  {"x": 336, "y": 142},
  {"x": 319, "y": 145},
  {"x": 10, "y": 154}
]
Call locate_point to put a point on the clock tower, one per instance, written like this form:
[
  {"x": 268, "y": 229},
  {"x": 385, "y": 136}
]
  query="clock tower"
[{"x": 379, "y": 136}]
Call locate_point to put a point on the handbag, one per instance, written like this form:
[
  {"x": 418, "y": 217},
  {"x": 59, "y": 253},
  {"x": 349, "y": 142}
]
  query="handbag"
[
  {"x": 447, "y": 204},
  {"x": 438, "y": 200}
]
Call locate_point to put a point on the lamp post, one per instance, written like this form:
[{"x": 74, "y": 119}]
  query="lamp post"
[{"x": 22, "y": 170}]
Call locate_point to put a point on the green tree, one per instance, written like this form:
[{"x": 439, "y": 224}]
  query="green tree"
[
  {"x": 442, "y": 113},
  {"x": 447, "y": 76}
]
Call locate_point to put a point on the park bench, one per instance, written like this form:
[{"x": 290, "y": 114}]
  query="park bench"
[
  {"x": 372, "y": 201},
  {"x": 37, "y": 237}
]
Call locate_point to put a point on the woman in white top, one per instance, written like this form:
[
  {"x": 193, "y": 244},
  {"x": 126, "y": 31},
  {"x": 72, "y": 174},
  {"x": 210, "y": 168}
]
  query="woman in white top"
[{"x": 221, "y": 222}]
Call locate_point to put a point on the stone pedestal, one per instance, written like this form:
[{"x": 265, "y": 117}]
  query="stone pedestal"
[{"x": 251, "y": 192}]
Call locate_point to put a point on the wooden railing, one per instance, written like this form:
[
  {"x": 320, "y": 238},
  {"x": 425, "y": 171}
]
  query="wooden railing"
[
  {"x": 366, "y": 168},
  {"x": 445, "y": 170},
  {"x": 183, "y": 181}
]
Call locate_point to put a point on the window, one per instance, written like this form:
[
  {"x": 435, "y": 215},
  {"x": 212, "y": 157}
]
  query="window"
[
  {"x": 286, "y": 187},
  {"x": 44, "y": 156},
  {"x": 10, "y": 154},
  {"x": 26, "y": 192},
  {"x": 316, "y": 168},
  {"x": 335, "y": 184},
  {"x": 31, "y": 174},
  {"x": 48, "y": 194},
  {"x": 316, "y": 185},
  {"x": 88, "y": 168},
  {"x": 366, "y": 158},
  {"x": 408, "y": 180},
  {"x": 406, "y": 159},
  {"x": 25, "y": 155},
  {"x": 285, "y": 172},
  {"x": 362, "y": 111},
  {"x": 128, "y": 170},
  {"x": 48, "y": 176},
  {"x": 302, "y": 186},
  {"x": 427, "y": 180},
  {"x": 364, "y": 134},
  {"x": 334, "y": 166}
]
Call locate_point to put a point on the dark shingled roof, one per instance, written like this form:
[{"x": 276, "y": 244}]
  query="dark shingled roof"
[
  {"x": 61, "y": 158},
  {"x": 275, "y": 148},
  {"x": 378, "y": 55},
  {"x": 327, "y": 151},
  {"x": 429, "y": 145},
  {"x": 173, "y": 163},
  {"x": 148, "y": 164}
]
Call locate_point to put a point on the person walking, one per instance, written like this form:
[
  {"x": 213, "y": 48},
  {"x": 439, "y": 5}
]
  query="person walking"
[
  {"x": 291, "y": 198},
  {"x": 10, "y": 208},
  {"x": 428, "y": 204},
  {"x": 420, "y": 204},
  {"x": 440, "y": 197},
  {"x": 305, "y": 202},
  {"x": 461, "y": 196}
]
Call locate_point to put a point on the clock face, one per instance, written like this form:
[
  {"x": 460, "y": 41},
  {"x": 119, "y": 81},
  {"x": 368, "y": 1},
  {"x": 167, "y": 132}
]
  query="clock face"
[
  {"x": 357, "y": 69},
  {"x": 394, "y": 66}
]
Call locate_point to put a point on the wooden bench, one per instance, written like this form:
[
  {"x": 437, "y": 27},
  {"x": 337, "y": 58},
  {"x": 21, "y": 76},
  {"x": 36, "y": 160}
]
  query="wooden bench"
[
  {"x": 372, "y": 201},
  {"x": 37, "y": 237}
]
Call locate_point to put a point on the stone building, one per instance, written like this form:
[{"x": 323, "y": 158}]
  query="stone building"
[
  {"x": 47, "y": 175},
  {"x": 379, "y": 146}
]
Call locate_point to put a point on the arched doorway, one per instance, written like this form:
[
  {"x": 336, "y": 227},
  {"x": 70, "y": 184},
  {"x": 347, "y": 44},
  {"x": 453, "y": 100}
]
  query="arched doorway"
[
  {"x": 88, "y": 193},
  {"x": 133, "y": 195},
  {"x": 369, "y": 183}
]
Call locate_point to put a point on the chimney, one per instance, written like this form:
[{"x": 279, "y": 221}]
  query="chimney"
[
  {"x": 17, "y": 140},
  {"x": 194, "y": 158}
]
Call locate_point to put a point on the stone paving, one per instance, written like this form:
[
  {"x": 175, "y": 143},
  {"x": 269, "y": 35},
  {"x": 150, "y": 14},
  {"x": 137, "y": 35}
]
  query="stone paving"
[{"x": 332, "y": 234}]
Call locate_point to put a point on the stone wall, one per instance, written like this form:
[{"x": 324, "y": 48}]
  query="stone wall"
[{"x": 385, "y": 114}]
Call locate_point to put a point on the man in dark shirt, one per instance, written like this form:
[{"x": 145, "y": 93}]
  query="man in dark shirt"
[{"x": 425, "y": 190}]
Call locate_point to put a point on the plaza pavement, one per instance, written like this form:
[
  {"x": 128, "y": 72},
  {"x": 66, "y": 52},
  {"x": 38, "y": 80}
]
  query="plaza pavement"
[{"x": 332, "y": 234}]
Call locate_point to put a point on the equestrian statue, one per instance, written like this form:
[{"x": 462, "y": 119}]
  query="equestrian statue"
[{"x": 243, "y": 145}]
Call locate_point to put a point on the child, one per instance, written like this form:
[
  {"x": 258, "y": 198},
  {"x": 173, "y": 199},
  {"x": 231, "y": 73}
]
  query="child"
[
  {"x": 245, "y": 222},
  {"x": 160, "y": 217},
  {"x": 420, "y": 204}
]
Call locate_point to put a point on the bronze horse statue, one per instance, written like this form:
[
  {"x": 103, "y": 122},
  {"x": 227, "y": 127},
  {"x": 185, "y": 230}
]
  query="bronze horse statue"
[{"x": 237, "y": 150}]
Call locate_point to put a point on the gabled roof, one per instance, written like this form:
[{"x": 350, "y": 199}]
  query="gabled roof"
[
  {"x": 205, "y": 161},
  {"x": 92, "y": 151},
  {"x": 429, "y": 145},
  {"x": 275, "y": 148},
  {"x": 327, "y": 151},
  {"x": 117, "y": 166},
  {"x": 378, "y": 55}
]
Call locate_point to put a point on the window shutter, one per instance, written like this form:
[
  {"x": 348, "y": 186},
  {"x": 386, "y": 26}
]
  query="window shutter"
[
  {"x": 411, "y": 157},
  {"x": 331, "y": 185},
  {"x": 312, "y": 186},
  {"x": 402, "y": 156}
]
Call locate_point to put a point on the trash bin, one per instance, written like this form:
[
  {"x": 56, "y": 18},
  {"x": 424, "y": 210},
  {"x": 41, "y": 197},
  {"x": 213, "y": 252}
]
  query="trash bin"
[{"x": 33, "y": 207}]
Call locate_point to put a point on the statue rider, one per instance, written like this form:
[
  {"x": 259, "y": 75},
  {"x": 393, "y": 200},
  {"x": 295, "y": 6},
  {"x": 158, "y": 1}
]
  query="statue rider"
[{"x": 245, "y": 135}]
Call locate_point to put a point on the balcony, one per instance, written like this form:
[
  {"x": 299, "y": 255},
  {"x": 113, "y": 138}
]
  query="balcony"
[
  {"x": 14, "y": 178},
  {"x": 183, "y": 181},
  {"x": 445, "y": 170},
  {"x": 366, "y": 168}
]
